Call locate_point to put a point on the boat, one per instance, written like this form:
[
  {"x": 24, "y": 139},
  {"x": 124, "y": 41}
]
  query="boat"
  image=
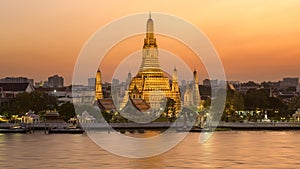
[
  {"x": 66, "y": 131},
  {"x": 14, "y": 129},
  {"x": 193, "y": 129}
]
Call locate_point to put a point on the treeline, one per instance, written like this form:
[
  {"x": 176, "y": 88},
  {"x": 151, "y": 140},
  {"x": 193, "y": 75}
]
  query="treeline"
[
  {"x": 36, "y": 101},
  {"x": 257, "y": 100},
  {"x": 254, "y": 100}
]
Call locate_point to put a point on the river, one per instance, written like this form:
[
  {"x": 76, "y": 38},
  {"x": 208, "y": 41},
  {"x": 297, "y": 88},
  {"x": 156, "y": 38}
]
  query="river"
[{"x": 226, "y": 149}]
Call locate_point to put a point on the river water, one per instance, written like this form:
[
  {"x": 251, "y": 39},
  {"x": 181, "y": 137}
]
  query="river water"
[{"x": 226, "y": 149}]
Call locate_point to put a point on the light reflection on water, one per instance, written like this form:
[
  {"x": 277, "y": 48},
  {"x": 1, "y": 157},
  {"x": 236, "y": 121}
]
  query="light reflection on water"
[{"x": 230, "y": 149}]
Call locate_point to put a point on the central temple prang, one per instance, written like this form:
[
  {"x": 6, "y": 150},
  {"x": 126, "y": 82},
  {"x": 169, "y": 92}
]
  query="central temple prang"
[{"x": 150, "y": 84}]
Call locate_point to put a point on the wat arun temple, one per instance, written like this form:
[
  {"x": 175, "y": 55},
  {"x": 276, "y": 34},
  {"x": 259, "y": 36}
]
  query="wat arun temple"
[{"x": 150, "y": 85}]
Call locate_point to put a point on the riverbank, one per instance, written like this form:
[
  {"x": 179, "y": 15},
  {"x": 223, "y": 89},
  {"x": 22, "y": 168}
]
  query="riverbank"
[
  {"x": 260, "y": 126},
  {"x": 48, "y": 128},
  {"x": 68, "y": 128}
]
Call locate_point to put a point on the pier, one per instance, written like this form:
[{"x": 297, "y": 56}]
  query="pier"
[
  {"x": 52, "y": 128},
  {"x": 48, "y": 128},
  {"x": 259, "y": 126}
]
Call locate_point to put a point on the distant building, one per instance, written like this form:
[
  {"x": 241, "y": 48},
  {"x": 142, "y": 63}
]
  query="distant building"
[
  {"x": 106, "y": 90},
  {"x": 91, "y": 82},
  {"x": 86, "y": 118},
  {"x": 82, "y": 94},
  {"x": 221, "y": 83},
  {"x": 11, "y": 90},
  {"x": 270, "y": 84},
  {"x": 183, "y": 82},
  {"x": 55, "y": 81},
  {"x": 63, "y": 94},
  {"x": 45, "y": 84},
  {"x": 208, "y": 82},
  {"x": 115, "y": 82},
  {"x": 298, "y": 89},
  {"x": 38, "y": 84},
  {"x": 289, "y": 82},
  {"x": 234, "y": 82},
  {"x": 205, "y": 92},
  {"x": 244, "y": 87},
  {"x": 17, "y": 80},
  {"x": 30, "y": 117}
]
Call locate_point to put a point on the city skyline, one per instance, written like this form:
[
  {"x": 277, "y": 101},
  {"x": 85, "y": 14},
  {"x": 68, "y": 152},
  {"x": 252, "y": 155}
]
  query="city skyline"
[
  {"x": 255, "y": 40},
  {"x": 90, "y": 82},
  {"x": 149, "y": 84}
]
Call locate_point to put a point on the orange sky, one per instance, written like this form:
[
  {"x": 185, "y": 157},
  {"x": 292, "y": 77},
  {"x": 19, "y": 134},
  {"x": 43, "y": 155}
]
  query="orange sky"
[{"x": 256, "y": 40}]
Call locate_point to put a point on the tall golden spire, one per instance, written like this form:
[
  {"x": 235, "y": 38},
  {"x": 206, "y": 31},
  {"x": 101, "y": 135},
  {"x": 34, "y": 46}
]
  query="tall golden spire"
[
  {"x": 150, "y": 40},
  {"x": 175, "y": 75},
  {"x": 150, "y": 83},
  {"x": 150, "y": 51},
  {"x": 98, "y": 90},
  {"x": 196, "y": 76}
]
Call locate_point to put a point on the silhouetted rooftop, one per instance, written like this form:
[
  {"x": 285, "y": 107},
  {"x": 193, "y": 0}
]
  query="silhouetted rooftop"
[{"x": 14, "y": 86}]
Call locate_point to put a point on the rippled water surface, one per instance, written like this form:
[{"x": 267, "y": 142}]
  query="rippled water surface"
[{"x": 230, "y": 149}]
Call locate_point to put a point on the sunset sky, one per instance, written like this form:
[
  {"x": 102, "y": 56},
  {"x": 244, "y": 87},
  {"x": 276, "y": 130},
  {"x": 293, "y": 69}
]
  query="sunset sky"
[{"x": 256, "y": 40}]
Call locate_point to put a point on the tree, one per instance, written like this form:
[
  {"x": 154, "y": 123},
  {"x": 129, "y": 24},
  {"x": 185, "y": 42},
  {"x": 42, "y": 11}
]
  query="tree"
[
  {"x": 234, "y": 102},
  {"x": 107, "y": 116},
  {"x": 36, "y": 101},
  {"x": 170, "y": 109},
  {"x": 278, "y": 109},
  {"x": 256, "y": 99},
  {"x": 207, "y": 103},
  {"x": 293, "y": 105},
  {"x": 67, "y": 111}
]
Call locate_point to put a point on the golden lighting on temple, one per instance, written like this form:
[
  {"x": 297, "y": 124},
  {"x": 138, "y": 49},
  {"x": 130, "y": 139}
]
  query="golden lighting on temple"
[{"x": 150, "y": 84}]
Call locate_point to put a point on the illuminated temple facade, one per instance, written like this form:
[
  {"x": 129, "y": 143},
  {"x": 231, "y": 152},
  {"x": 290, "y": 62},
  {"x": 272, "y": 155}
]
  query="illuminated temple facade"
[
  {"x": 150, "y": 83},
  {"x": 98, "y": 86}
]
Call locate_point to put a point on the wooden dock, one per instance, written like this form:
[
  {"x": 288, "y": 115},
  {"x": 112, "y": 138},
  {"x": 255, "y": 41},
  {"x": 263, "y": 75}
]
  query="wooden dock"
[
  {"x": 66, "y": 131},
  {"x": 13, "y": 131},
  {"x": 48, "y": 128},
  {"x": 52, "y": 128}
]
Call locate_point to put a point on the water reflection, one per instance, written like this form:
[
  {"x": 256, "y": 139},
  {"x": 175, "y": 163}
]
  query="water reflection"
[{"x": 230, "y": 149}]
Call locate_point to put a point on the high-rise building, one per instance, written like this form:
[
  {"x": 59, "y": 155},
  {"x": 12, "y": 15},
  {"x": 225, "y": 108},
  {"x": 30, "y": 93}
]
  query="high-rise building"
[
  {"x": 91, "y": 82},
  {"x": 150, "y": 84},
  {"x": 55, "y": 81}
]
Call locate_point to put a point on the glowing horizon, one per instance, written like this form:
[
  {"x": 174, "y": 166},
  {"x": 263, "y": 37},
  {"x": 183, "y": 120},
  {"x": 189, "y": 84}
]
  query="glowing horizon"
[{"x": 255, "y": 40}]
